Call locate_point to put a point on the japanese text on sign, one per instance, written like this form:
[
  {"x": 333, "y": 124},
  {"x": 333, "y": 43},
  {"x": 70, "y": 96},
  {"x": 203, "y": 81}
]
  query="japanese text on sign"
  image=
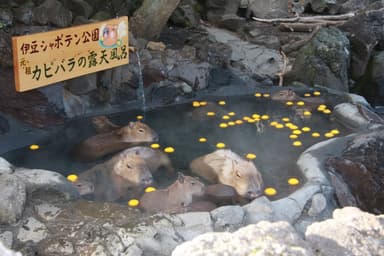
[{"x": 49, "y": 57}]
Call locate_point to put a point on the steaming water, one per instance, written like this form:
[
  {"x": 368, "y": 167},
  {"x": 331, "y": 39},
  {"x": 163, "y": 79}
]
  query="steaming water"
[
  {"x": 140, "y": 90},
  {"x": 178, "y": 127}
]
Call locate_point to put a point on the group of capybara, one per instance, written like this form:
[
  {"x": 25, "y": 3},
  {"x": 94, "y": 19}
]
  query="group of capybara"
[{"x": 230, "y": 178}]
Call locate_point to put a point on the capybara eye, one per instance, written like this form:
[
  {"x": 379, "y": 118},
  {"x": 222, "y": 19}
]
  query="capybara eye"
[
  {"x": 141, "y": 130},
  {"x": 129, "y": 166},
  {"x": 192, "y": 183},
  {"x": 238, "y": 174}
]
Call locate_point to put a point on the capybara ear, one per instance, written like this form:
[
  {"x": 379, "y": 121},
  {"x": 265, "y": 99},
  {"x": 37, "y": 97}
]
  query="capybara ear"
[
  {"x": 120, "y": 131},
  {"x": 131, "y": 124},
  {"x": 180, "y": 177},
  {"x": 290, "y": 92}
]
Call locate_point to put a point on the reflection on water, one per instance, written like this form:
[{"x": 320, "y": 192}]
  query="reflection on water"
[{"x": 181, "y": 126}]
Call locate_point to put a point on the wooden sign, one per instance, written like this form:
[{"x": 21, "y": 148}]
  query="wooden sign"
[{"x": 49, "y": 57}]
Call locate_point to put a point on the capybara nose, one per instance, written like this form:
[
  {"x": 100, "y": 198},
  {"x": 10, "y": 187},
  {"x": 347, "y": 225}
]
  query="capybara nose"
[{"x": 147, "y": 181}]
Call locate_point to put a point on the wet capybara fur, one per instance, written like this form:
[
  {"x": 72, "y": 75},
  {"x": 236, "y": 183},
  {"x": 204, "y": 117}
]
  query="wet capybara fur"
[
  {"x": 226, "y": 167},
  {"x": 174, "y": 199},
  {"x": 120, "y": 177},
  {"x": 102, "y": 124},
  {"x": 103, "y": 144}
]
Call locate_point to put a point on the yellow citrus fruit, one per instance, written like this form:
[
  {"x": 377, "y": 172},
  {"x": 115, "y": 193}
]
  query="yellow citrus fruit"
[
  {"x": 34, "y": 147},
  {"x": 327, "y": 111},
  {"x": 225, "y": 117},
  {"x": 202, "y": 139},
  {"x": 257, "y": 94},
  {"x": 231, "y": 123},
  {"x": 211, "y": 113},
  {"x": 203, "y": 103},
  {"x": 222, "y": 102},
  {"x": 300, "y": 103},
  {"x": 321, "y": 107},
  {"x": 316, "y": 93},
  {"x": 293, "y": 136},
  {"x": 245, "y": 118},
  {"x": 279, "y": 126},
  {"x": 231, "y": 113},
  {"x": 307, "y": 113},
  {"x": 297, "y": 143},
  {"x": 289, "y": 103},
  {"x": 251, "y": 120},
  {"x": 293, "y": 127},
  {"x": 72, "y": 177},
  {"x": 139, "y": 117},
  {"x": 223, "y": 125},
  {"x": 270, "y": 191},
  {"x": 239, "y": 121},
  {"x": 169, "y": 150},
  {"x": 149, "y": 189},
  {"x": 306, "y": 129},
  {"x": 293, "y": 181},
  {"x": 297, "y": 132},
  {"x": 329, "y": 135},
  {"x": 264, "y": 117},
  {"x": 315, "y": 134},
  {"x": 335, "y": 131},
  {"x": 250, "y": 156},
  {"x": 255, "y": 116},
  {"x": 195, "y": 104},
  {"x": 133, "y": 202},
  {"x": 307, "y": 95},
  {"x": 220, "y": 145},
  {"x": 266, "y": 95},
  {"x": 285, "y": 119},
  {"x": 273, "y": 123},
  {"x": 155, "y": 146}
]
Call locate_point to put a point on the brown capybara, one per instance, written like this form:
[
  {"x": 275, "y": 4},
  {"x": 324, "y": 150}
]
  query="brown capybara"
[
  {"x": 226, "y": 167},
  {"x": 221, "y": 194},
  {"x": 105, "y": 143},
  {"x": 102, "y": 124},
  {"x": 117, "y": 178},
  {"x": 174, "y": 199},
  {"x": 84, "y": 187},
  {"x": 290, "y": 95},
  {"x": 154, "y": 158}
]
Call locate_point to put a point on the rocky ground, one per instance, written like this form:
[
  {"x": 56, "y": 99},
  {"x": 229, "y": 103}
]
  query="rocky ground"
[{"x": 200, "y": 48}]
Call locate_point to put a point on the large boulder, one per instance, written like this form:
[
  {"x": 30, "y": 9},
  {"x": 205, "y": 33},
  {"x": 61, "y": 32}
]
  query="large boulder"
[
  {"x": 267, "y": 8},
  {"x": 377, "y": 77},
  {"x": 349, "y": 232},
  {"x": 361, "y": 166},
  {"x": 5, "y": 49},
  {"x": 324, "y": 60},
  {"x": 12, "y": 198},
  {"x": 149, "y": 20},
  {"x": 52, "y": 12}
]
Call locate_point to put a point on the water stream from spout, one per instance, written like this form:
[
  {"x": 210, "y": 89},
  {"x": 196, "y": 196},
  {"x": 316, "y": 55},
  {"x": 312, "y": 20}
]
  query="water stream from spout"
[{"x": 140, "y": 89}]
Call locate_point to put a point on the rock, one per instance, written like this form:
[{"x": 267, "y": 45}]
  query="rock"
[
  {"x": 378, "y": 78},
  {"x": 323, "y": 6},
  {"x": 350, "y": 232},
  {"x": 6, "y": 17},
  {"x": 5, "y": 49},
  {"x": 80, "y": 8},
  {"x": 7, "y": 252},
  {"x": 82, "y": 85},
  {"x": 185, "y": 14},
  {"x": 249, "y": 58},
  {"x": 47, "y": 211},
  {"x": 54, "y": 95},
  {"x": 318, "y": 204},
  {"x": 267, "y": 8},
  {"x": 36, "y": 179},
  {"x": 325, "y": 60},
  {"x": 54, "y": 246},
  {"x": 194, "y": 224},
  {"x": 52, "y": 12},
  {"x": 361, "y": 166},
  {"x": 149, "y": 20},
  {"x": 32, "y": 230},
  {"x": 73, "y": 104},
  {"x": 194, "y": 74},
  {"x": 228, "y": 218},
  {"x": 12, "y": 198},
  {"x": 365, "y": 33},
  {"x": 6, "y": 238},
  {"x": 217, "y": 10},
  {"x": 5, "y": 167},
  {"x": 264, "y": 238},
  {"x": 102, "y": 15},
  {"x": 353, "y": 5},
  {"x": 24, "y": 13},
  {"x": 258, "y": 210},
  {"x": 156, "y": 46}
]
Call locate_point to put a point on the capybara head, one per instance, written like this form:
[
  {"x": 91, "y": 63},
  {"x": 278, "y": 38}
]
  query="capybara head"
[
  {"x": 190, "y": 185},
  {"x": 137, "y": 132},
  {"x": 133, "y": 169},
  {"x": 245, "y": 178},
  {"x": 284, "y": 95}
]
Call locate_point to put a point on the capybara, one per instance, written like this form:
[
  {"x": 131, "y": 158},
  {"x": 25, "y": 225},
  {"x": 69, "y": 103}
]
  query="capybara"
[
  {"x": 290, "y": 95},
  {"x": 221, "y": 194},
  {"x": 84, "y": 187},
  {"x": 154, "y": 158},
  {"x": 105, "y": 143},
  {"x": 117, "y": 178},
  {"x": 102, "y": 124},
  {"x": 226, "y": 167},
  {"x": 174, "y": 199}
]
